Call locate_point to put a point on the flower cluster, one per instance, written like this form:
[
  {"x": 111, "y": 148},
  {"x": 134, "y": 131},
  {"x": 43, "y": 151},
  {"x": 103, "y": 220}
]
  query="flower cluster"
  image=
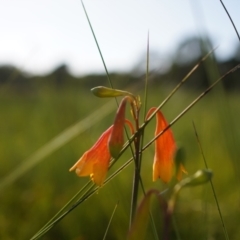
[{"x": 95, "y": 161}]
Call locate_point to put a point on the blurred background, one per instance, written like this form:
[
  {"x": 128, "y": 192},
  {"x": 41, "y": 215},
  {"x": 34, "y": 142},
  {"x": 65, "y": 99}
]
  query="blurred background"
[{"x": 49, "y": 61}]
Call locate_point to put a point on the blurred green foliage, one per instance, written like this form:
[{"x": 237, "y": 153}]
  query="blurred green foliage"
[
  {"x": 31, "y": 119},
  {"x": 34, "y": 109}
]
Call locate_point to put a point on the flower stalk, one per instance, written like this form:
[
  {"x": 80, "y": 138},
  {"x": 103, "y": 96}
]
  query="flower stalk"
[{"x": 95, "y": 161}]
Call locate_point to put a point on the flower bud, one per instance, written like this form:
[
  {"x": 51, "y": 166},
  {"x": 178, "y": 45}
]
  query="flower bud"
[{"x": 104, "y": 92}]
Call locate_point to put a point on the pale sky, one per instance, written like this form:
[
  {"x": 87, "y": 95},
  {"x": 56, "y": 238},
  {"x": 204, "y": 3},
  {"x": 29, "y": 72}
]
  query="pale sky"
[{"x": 38, "y": 35}]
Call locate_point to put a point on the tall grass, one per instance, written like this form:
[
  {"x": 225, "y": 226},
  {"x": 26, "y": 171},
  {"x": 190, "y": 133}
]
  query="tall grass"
[
  {"x": 33, "y": 194},
  {"x": 42, "y": 191}
]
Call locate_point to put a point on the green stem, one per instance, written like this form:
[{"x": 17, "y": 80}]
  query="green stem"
[
  {"x": 136, "y": 180},
  {"x": 137, "y": 160}
]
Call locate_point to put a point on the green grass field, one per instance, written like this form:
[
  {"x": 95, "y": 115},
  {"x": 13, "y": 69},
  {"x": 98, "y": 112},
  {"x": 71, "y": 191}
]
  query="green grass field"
[{"x": 30, "y": 120}]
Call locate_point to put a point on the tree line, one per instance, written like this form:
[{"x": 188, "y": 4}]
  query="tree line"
[{"x": 188, "y": 54}]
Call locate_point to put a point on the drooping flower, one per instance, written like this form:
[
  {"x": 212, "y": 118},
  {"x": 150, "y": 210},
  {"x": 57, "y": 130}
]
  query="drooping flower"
[
  {"x": 95, "y": 161},
  {"x": 165, "y": 148},
  {"x": 116, "y": 139}
]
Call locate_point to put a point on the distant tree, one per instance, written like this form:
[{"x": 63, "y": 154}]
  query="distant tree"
[
  {"x": 237, "y": 53},
  {"x": 188, "y": 51},
  {"x": 157, "y": 63},
  {"x": 60, "y": 75},
  {"x": 14, "y": 79},
  {"x": 6, "y": 72},
  {"x": 232, "y": 82}
]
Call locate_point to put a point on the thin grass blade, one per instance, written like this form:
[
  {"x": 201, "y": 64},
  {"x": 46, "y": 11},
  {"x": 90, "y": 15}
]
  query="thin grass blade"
[
  {"x": 189, "y": 106},
  {"x": 110, "y": 221},
  {"x": 57, "y": 142},
  {"x": 212, "y": 186},
  {"x": 98, "y": 47}
]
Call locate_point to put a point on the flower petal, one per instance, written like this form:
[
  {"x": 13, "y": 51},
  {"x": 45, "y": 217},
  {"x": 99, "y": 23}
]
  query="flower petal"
[
  {"x": 165, "y": 148},
  {"x": 95, "y": 161},
  {"x": 116, "y": 139}
]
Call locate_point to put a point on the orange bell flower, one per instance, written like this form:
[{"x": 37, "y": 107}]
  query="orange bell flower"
[
  {"x": 165, "y": 148},
  {"x": 116, "y": 139},
  {"x": 95, "y": 161}
]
